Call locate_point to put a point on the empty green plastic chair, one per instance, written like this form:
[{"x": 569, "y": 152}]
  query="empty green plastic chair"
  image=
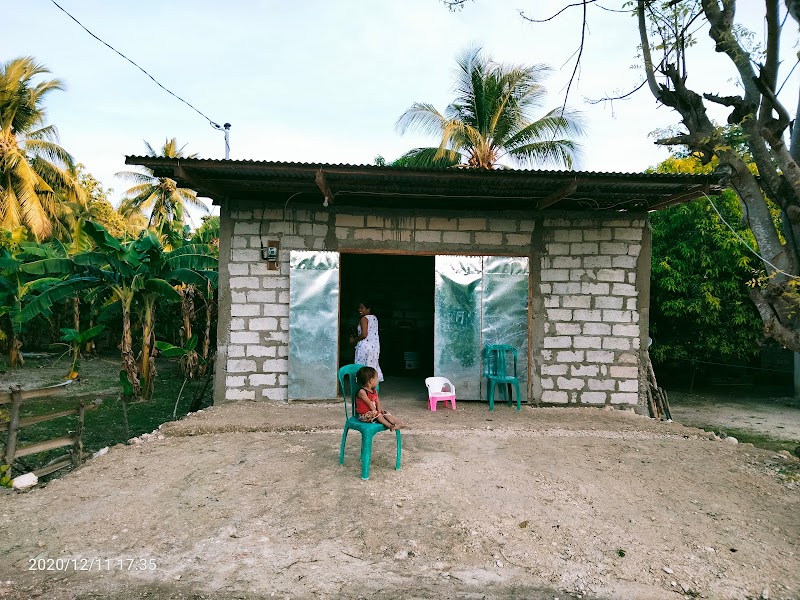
[
  {"x": 495, "y": 369},
  {"x": 367, "y": 430}
]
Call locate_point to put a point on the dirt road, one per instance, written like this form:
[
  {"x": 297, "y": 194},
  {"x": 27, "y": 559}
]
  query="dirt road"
[{"x": 248, "y": 501}]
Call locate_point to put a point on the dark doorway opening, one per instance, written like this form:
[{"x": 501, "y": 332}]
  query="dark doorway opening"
[{"x": 401, "y": 290}]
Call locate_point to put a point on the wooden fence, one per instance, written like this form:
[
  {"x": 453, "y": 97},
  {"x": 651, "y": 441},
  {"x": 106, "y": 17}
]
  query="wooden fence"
[{"x": 16, "y": 397}]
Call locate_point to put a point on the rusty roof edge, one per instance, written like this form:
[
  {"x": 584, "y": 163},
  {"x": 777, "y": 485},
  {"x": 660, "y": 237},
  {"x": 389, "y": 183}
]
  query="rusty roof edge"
[{"x": 347, "y": 169}]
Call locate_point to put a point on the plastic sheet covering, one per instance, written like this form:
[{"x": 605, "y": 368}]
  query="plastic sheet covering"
[
  {"x": 313, "y": 324},
  {"x": 504, "y": 318},
  {"x": 457, "y": 327}
]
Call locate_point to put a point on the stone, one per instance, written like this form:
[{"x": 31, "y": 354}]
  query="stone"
[
  {"x": 731, "y": 440},
  {"x": 100, "y": 452},
  {"x": 25, "y": 481}
]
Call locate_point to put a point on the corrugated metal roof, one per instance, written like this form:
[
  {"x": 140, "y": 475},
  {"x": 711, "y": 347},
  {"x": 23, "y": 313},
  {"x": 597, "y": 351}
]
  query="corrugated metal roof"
[{"x": 439, "y": 188}]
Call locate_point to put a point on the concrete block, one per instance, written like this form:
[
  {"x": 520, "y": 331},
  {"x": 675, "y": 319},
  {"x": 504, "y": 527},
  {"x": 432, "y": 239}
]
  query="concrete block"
[
  {"x": 276, "y": 365},
  {"x": 576, "y": 302},
  {"x": 239, "y": 394},
  {"x": 624, "y": 398},
  {"x": 262, "y": 297},
  {"x": 235, "y": 351},
  {"x": 276, "y": 310},
  {"x": 588, "y": 315},
  {"x": 555, "y": 397},
  {"x": 626, "y": 330},
  {"x": 568, "y": 328},
  {"x": 567, "y": 235},
  {"x": 241, "y": 366},
  {"x": 584, "y": 370},
  {"x": 472, "y": 224},
  {"x": 616, "y": 316},
  {"x": 625, "y": 233},
  {"x": 263, "y": 379},
  {"x": 245, "y": 227},
  {"x": 593, "y": 398},
  {"x": 558, "y": 249},
  {"x": 628, "y": 385},
  {"x": 624, "y": 372},
  {"x": 244, "y": 337},
  {"x": 245, "y": 255},
  {"x": 557, "y": 342},
  {"x": 594, "y": 289},
  {"x": 261, "y": 351},
  {"x": 443, "y": 224},
  {"x": 428, "y": 237},
  {"x": 598, "y": 235},
  {"x": 596, "y": 329},
  {"x": 564, "y": 289},
  {"x": 567, "y": 262},
  {"x": 566, "y": 356},
  {"x": 245, "y": 310},
  {"x": 238, "y": 283},
  {"x": 488, "y": 238},
  {"x": 589, "y": 342},
  {"x": 559, "y": 314},
  {"x": 554, "y": 369},
  {"x": 596, "y": 262},
  {"x": 599, "y": 356},
  {"x": 238, "y": 325},
  {"x": 612, "y": 343},
  {"x": 518, "y": 239},
  {"x": 502, "y": 225},
  {"x": 612, "y": 302},
  {"x": 623, "y": 262},
  {"x": 602, "y": 384},
  {"x": 547, "y": 383},
  {"x": 555, "y": 275},
  {"x": 584, "y": 248},
  {"x": 456, "y": 237},
  {"x": 278, "y": 393},
  {"x": 264, "y": 324},
  {"x": 564, "y": 383},
  {"x": 233, "y": 381},
  {"x": 349, "y": 220},
  {"x": 238, "y": 268},
  {"x": 613, "y": 248},
  {"x": 623, "y": 289}
]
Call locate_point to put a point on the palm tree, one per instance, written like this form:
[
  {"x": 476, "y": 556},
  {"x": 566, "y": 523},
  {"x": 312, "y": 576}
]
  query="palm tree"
[
  {"x": 161, "y": 195},
  {"x": 36, "y": 174},
  {"x": 490, "y": 119}
]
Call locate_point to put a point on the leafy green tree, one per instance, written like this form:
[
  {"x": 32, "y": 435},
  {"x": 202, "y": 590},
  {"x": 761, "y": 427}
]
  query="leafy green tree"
[
  {"x": 160, "y": 195},
  {"x": 491, "y": 119},
  {"x": 36, "y": 174}
]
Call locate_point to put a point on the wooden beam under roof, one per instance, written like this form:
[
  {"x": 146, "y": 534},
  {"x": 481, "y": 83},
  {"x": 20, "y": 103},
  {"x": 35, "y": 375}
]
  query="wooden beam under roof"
[
  {"x": 198, "y": 184},
  {"x": 684, "y": 196},
  {"x": 558, "y": 195}
]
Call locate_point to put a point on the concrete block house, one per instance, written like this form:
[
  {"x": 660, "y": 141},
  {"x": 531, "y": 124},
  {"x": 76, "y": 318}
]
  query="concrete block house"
[{"x": 555, "y": 263}]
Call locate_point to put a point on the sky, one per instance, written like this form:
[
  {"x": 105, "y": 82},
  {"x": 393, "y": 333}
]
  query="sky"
[{"x": 324, "y": 81}]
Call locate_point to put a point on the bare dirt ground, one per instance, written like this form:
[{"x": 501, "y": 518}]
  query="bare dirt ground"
[{"x": 247, "y": 500}]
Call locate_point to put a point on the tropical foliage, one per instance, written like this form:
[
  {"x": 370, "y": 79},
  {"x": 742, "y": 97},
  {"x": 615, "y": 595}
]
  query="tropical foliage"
[
  {"x": 492, "y": 119},
  {"x": 161, "y": 196},
  {"x": 37, "y": 176}
]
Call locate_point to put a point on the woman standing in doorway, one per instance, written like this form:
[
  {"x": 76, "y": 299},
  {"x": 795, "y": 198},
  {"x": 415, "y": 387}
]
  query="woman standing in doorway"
[{"x": 368, "y": 345}]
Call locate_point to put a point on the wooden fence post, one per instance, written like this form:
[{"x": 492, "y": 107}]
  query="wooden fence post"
[
  {"x": 13, "y": 426},
  {"x": 77, "y": 452}
]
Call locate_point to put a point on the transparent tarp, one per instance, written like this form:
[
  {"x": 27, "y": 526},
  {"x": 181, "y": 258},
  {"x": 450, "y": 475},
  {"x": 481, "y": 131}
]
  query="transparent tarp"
[
  {"x": 479, "y": 300},
  {"x": 313, "y": 324}
]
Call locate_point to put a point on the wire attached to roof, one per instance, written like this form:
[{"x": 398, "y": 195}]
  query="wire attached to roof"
[{"x": 212, "y": 123}]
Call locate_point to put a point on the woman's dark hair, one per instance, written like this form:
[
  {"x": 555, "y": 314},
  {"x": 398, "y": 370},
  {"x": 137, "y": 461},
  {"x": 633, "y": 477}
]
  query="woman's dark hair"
[{"x": 364, "y": 374}]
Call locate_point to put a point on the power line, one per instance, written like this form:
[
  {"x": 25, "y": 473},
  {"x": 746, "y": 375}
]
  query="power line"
[{"x": 212, "y": 123}]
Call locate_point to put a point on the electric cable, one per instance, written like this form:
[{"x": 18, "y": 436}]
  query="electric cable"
[{"x": 81, "y": 25}]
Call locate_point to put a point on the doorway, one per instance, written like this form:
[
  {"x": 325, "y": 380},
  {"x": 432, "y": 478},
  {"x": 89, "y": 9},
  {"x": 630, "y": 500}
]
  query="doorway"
[{"x": 401, "y": 290}]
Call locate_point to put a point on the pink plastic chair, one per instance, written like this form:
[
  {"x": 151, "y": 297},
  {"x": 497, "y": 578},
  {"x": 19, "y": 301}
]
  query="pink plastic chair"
[{"x": 440, "y": 390}]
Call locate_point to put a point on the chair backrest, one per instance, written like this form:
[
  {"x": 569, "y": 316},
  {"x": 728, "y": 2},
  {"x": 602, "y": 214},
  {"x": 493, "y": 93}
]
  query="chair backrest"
[
  {"x": 348, "y": 373},
  {"x": 436, "y": 384},
  {"x": 495, "y": 360}
]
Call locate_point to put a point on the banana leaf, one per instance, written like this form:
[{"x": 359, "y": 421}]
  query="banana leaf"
[
  {"x": 159, "y": 286},
  {"x": 52, "y": 294}
]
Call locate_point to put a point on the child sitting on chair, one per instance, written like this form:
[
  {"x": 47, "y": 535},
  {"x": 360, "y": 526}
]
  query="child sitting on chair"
[{"x": 368, "y": 406}]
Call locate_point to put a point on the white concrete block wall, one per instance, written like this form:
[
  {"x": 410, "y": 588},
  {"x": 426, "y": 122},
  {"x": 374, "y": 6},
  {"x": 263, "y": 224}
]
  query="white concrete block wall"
[{"x": 586, "y": 279}]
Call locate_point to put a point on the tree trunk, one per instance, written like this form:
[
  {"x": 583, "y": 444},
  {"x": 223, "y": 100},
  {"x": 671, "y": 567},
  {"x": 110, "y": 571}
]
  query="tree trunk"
[
  {"x": 15, "y": 352},
  {"x": 126, "y": 348},
  {"x": 147, "y": 364},
  {"x": 207, "y": 332},
  {"x": 189, "y": 363}
]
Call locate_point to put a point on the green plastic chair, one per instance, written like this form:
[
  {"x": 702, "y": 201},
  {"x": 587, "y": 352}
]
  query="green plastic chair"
[
  {"x": 495, "y": 369},
  {"x": 367, "y": 430}
]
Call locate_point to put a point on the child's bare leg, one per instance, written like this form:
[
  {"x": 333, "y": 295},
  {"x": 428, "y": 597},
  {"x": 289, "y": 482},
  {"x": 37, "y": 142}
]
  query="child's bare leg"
[
  {"x": 395, "y": 423},
  {"x": 385, "y": 422}
]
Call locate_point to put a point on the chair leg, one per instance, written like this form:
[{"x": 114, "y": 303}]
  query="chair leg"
[
  {"x": 366, "y": 454},
  {"x": 519, "y": 396},
  {"x": 341, "y": 449},
  {"x": 399, "y": 449},
  {"x": 432, "y": 404},
  {"x": 453, "y": 403},
  {"x": 491, "y": 395}
]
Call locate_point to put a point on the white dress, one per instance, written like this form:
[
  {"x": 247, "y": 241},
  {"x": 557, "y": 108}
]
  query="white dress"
[{"x": 368, "y": 350}]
